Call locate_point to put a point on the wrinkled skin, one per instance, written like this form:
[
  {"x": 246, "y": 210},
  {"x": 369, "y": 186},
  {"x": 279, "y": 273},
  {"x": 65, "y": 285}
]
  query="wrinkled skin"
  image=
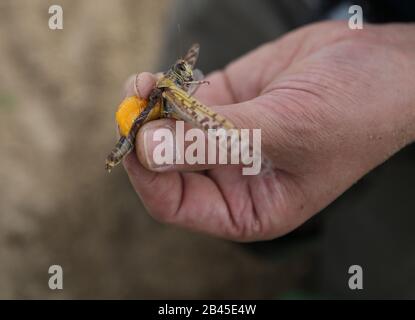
[{"x": 332, "y": 103}]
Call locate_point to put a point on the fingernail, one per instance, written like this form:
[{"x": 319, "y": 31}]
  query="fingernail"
[{"x": 159, "y": 147}]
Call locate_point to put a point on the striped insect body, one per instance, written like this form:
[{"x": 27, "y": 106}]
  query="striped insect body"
[{"x": 171, "y": 97}]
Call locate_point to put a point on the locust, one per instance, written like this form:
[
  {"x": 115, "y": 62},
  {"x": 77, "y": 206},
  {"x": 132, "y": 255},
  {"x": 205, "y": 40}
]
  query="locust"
[{"x": 172, "y": 97}]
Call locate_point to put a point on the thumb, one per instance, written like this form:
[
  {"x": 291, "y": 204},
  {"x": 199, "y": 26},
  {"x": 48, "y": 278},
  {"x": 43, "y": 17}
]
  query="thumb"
[{"x": 168, "y": 145}]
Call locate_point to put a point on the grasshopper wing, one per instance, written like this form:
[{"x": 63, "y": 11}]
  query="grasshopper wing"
[
  {"x": 192, "y": 55},
  {"x": 187, "y": 108}
]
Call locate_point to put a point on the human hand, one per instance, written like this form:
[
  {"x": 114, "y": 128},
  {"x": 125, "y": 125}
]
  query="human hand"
[{"x": 332, "y": 103}]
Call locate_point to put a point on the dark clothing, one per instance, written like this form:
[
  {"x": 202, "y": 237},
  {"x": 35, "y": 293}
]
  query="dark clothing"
[{"x": 388, "y": 10}]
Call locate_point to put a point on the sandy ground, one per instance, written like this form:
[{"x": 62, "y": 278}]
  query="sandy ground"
[{"x": 58, "y": 92}]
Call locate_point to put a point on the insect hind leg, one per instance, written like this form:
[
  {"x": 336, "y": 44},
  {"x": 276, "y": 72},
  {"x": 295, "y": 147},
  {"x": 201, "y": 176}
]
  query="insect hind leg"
[
  {"x": 155, "y": 96},
  {"x": 121, "y": 149}
]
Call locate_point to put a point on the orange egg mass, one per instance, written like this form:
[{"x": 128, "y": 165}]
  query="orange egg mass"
[{"x": 129, "y": 109}]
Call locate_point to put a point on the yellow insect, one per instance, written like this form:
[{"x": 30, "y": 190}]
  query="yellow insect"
[{"x": 172, "y": 98}]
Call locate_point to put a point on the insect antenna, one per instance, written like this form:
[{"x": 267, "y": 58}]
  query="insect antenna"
[{"x": 180, "y": 46}]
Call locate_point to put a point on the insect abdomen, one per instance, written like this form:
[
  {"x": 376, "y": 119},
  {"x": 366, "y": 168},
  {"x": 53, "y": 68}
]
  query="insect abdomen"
[{"x": 123, "y": 147}]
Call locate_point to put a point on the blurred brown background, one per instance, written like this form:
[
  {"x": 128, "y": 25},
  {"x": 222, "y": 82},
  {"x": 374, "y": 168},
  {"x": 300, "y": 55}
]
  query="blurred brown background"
[{"x": 58, "y": 93}]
